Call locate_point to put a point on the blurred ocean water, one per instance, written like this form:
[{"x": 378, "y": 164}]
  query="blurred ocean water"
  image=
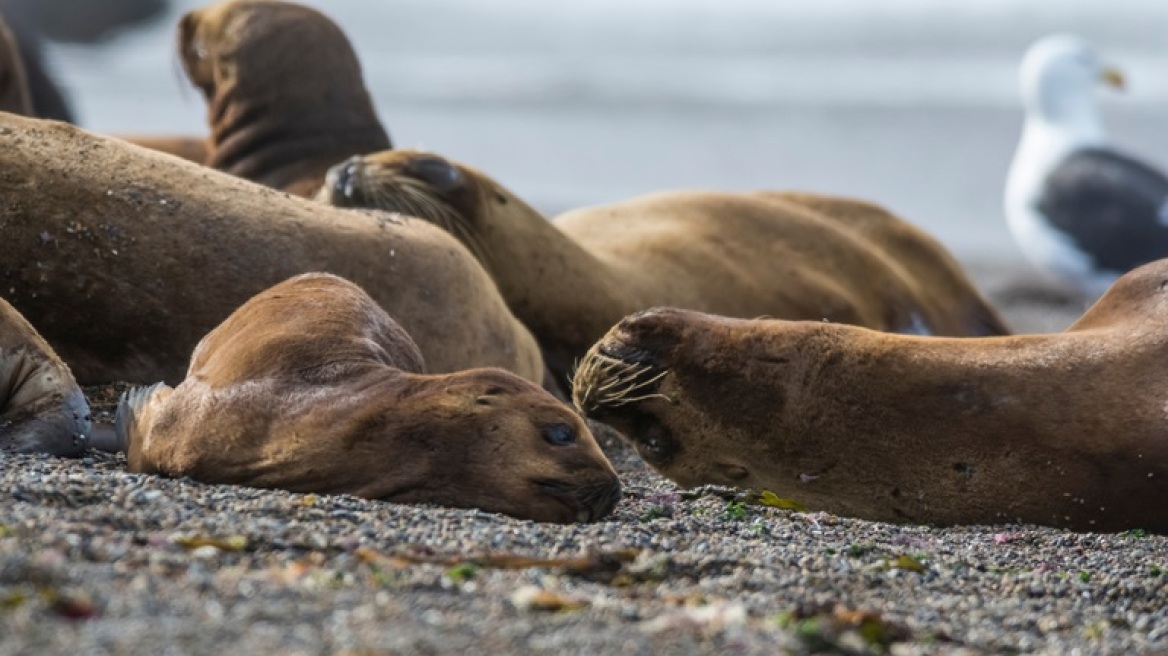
[{"x": 911, "y": 103}]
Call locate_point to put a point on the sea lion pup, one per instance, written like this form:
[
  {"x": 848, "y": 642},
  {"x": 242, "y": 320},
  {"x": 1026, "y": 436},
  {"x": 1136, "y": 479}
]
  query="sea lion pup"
[
  {"x": 1065, "y": 429},
  {"x": 15, "y": 96},
  {"x": 311, "y": 387},
  {"x": 124, "y": 258},
  {"x": 792, "y": 256},
  {"x": 42, "y": 410},
  {"x": 286, "y": 99}
]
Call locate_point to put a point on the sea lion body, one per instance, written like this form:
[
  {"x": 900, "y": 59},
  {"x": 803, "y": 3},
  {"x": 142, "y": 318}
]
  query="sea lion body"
[
  {"x": 1064, "y": 430},
  {"x": 42, "y": 410},
  {"x": 15, "y": 96},
  {"x": 124, "y": 258},
  {"x": 787, "y": 255},
  {"x": 285, "y": 94},
  {"x": 311, "y": 387},
  {"x": 192, "y": 149}
]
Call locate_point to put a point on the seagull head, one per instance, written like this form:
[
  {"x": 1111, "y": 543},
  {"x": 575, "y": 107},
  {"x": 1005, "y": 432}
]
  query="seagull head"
[{"x": 1059, "y": 75}]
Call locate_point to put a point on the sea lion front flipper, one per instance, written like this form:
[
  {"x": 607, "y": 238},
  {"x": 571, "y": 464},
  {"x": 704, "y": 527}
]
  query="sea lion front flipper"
[{"x": 135, "y": 415}]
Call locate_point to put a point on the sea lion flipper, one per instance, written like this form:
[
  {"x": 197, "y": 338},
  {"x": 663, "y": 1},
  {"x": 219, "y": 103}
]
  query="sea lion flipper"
[{"x": 136, "y": 410}]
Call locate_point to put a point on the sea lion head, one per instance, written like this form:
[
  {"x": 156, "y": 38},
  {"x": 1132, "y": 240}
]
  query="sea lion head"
[
  {"x": 290, "y": 50},
  {"x": 508, "y": 446},
  {"x": 664, "y": 377},
  {"x": 14, "y": 92},
  {"x": 453, "y": 196}
]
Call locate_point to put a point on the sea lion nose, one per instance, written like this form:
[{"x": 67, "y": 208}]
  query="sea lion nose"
[
  {"x": 644, "y": 337},
  {"x": 342, "y": 178}
]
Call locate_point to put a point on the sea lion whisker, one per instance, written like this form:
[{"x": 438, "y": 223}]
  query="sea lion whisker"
[
  {"x": 644, "y": 397},
  {"x": 622, "y": 378},
  {"x": 620, "y": 393},
  {"x": 422, "y": 199},
  {"x": 618, "y": 377}
]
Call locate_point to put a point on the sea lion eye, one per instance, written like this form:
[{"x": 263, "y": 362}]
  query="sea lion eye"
[
  {"x": 654, "y": 442},
  {"x": 654, "y": 445},
  {"x": 434, "y": 171},
  {"x": 559, "y": 434}
]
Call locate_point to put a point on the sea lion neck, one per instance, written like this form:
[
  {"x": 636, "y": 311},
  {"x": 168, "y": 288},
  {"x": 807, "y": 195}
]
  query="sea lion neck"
[
  {"x": 518, "y": 245},
  {"x": 280, "y": 144}
]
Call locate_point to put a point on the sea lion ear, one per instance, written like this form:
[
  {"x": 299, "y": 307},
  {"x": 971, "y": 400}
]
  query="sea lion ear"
[{"x": 440, "y": 174}]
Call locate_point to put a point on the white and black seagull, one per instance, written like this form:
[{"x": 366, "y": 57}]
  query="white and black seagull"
[{"x": 1078, "y": 209}]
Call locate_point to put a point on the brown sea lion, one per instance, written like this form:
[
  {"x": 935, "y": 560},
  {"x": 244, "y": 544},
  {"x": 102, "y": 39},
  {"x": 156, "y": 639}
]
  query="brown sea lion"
[
  {"x": 14, "y": 93},
  {"x": 286, "y": 99},
  {"x": 786, "y": 255},
  {"x": 124, "y": 258},
  {"x": 42, "y": 410},
  {"x": 311, "y": 387},
  {"x": 1067, "y": 429}
]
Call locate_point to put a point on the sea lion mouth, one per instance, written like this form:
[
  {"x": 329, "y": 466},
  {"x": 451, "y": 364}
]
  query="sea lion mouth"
[
  {"x": 585, "y": 503},
  {"x": 614, "y": 374}
]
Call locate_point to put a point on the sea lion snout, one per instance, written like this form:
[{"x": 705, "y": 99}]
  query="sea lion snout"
[
  {"x": 629, "y": 362},
  {"x": 653, "y": 333},
  {"x": 343, "y": 184},
  {"x": 584, "y": 503}
]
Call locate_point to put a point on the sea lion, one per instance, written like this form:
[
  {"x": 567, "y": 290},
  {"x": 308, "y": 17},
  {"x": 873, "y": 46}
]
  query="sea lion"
[
  {"x": 15, "y": 96},
  {"x": 42, "y": 410},
  {"x": 1063, "y": 429},
  {"x": 286, "y": 99},
  {"x": 786, "y": 255},
  {"x": 124, "y": 258},
  {"x": 311, "y": 387}
]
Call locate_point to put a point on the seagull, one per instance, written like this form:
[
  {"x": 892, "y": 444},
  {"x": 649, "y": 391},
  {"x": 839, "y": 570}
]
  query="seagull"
[{"x": 1080, "y": 210}]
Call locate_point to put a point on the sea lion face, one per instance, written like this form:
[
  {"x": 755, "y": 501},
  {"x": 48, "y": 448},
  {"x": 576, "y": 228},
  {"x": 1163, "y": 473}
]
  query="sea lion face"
[
  {"x": 412, "y": 182},
  {"x": 664, "y": 386},
  {"x": 281, "y": 42},
  {"x": 508, "y": 446}
]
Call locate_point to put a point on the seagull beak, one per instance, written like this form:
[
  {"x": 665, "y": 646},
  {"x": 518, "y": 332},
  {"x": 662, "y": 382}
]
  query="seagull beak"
[{"x": 1113, "y": 77}]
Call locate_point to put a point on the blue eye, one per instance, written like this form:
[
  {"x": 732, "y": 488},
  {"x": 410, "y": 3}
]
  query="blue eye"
[{"x": 559, "y": 434}]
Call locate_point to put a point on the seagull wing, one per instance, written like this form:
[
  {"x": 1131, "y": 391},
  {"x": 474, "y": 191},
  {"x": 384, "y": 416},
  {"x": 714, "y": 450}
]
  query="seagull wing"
[{"x": 1113, "y": 207}]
